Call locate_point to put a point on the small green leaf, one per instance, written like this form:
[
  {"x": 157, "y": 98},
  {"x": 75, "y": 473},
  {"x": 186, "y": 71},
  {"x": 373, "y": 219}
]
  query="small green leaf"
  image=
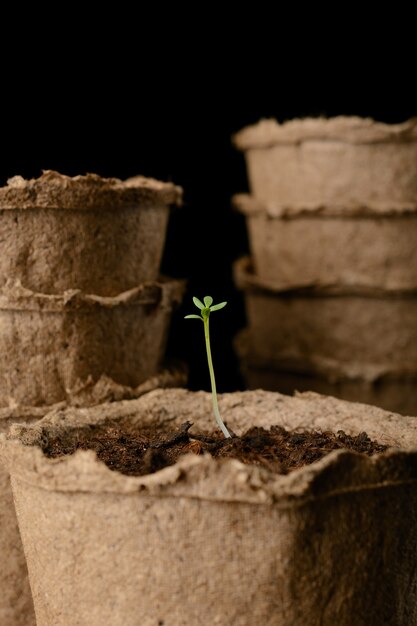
[
  {"x": 208, "y": 300},
  {"x": 216, "y": 307},
  {"x": 193, "y": 317},
  {"x": 198, "y": 303}
]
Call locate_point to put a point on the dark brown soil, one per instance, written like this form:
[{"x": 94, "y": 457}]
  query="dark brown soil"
[{"x": 137, "y": 453}]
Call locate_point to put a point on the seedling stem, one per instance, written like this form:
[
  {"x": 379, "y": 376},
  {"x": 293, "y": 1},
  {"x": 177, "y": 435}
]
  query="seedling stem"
[{"x": 206, "y": 309}]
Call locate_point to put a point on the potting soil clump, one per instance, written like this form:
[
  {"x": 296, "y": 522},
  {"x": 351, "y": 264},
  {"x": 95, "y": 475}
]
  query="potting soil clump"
[{"x": 137, "y": 453}]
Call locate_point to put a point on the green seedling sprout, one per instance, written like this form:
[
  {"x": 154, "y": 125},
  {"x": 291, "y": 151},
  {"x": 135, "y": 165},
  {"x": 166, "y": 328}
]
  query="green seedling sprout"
[{"x": 207, "y": 308}]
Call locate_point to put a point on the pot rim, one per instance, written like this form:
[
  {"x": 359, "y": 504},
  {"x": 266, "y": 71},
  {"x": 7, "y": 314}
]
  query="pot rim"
[
  {"x": 250, "y": 206},
  {"x": 340, "y": 472},
  {"x": 89, "y": 192},
  {"x": 246, "y": 280},
  {"x": 316, "y": 365},
  {"x": 349, "y": 129},
  {"x": 15, "y": 297},
  {"x": 90, "y": 392}
]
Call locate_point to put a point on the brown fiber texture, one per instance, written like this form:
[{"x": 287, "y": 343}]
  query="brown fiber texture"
[
  {"x": 368, "y": 332},
  {"x": 301, "y": 248},
  {"x": 397, "y": 393},
  {"x": 344, "y": 163},
  {"x": 56, "y": 345},
  {"x": 102, "y": 236},
  {"x": 16, "y": 606},
  {"x": 204, "y": 542}
]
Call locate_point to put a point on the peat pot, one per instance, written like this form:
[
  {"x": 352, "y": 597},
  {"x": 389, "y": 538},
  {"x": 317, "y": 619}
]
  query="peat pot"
[
  {"x": 101, "y": 236},
  {"x": 16, "y": 606},
  {"x": 369, "y": 332},
  {"x": 342, "y": 163},
  {"x": 58, "y": 344},
  {"x": 397, "y": 393},
  {"x": 367, "y": 248},
  {"x": 207, "y": 542}
]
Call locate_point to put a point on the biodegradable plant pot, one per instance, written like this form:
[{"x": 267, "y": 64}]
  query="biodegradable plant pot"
[
  {"x": 369, "y": 332},
  {"x": 340, "y": 163},
  {"x": 362, "y": 248},
  {"x": 206, "y": 542},
  {"x": 101, "y": 236},
  {"x": 16, "y": 606},
  {"x": 397, "y": 393},
  {"x": 58, "y": 344}
]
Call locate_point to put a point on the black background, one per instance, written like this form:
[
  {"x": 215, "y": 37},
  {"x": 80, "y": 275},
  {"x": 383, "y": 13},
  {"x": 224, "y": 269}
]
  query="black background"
[{"x": 167, "y": 107}]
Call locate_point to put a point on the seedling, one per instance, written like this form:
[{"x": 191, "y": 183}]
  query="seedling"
[{"x": 207, "y": 308}]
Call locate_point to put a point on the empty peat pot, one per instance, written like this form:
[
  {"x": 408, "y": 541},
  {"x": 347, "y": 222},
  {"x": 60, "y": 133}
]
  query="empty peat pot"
[
  {"x": 16, "y": 605},
  {"x": 366, "y": 330},
  {"x": 395, "y": 392},
  {"x": 56, "y": 344},
  {"x": 99, "y": 235},
  {"x": 208, "y": 542},
  {"x": 301, "y": 247},
  {"x": 341, "y": 163}
]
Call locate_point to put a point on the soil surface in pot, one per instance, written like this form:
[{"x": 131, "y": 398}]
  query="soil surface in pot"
[{"x": 136, "y": 453}]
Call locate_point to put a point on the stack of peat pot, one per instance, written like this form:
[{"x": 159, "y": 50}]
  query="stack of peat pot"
[
  {"x": 84, "y": 315},
  {"x": 331, "y": 288}
]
